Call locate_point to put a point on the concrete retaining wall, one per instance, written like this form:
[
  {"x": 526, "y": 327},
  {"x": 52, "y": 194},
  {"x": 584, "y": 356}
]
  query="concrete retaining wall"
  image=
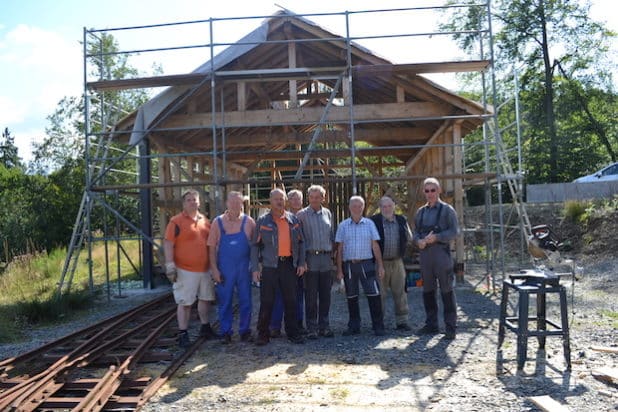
[{"x": 560, "y": 192}]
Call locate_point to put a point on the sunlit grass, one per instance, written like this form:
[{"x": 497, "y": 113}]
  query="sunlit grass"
[{"x": 29, "y": 285}]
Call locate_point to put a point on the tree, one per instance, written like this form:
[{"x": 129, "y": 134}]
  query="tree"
[
  {"x": 544, "y": 36},
  {"x": 8, "y": 151}
]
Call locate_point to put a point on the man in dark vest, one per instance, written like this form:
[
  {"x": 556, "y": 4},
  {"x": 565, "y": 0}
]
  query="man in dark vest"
[
  {"x": 395, "y": 235},
  {"x": 435, "y": 226}
]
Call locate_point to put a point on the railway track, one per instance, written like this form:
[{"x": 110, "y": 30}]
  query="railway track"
[{"x": 116, "y": 364}]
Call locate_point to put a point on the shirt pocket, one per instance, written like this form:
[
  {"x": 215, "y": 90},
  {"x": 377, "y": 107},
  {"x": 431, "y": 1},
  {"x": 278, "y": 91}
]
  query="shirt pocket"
[{"x": 268, "y": 235}]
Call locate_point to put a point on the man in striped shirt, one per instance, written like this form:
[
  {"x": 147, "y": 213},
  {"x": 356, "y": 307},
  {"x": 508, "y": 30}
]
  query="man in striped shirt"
[{"x": 317, "y": 225}]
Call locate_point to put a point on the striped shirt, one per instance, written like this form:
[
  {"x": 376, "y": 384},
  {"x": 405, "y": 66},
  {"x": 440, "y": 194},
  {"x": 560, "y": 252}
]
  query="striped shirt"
[
  {"x": 317, "y": 228},
  {"x": 357, "y": 238}
]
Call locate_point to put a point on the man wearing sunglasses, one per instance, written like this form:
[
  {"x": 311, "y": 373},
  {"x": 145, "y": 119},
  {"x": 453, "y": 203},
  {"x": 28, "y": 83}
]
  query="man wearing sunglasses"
[{"x": 435, "y": 226}]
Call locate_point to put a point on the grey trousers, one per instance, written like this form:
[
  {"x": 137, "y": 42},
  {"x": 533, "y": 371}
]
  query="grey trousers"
[{"x": 437, "y": 268}]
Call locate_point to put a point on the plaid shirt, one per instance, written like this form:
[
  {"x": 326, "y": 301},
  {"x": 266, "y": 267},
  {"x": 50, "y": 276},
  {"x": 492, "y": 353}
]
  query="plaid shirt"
[
  {"x": 391, "y": 238},
  {"x": 357, "y": 238}
]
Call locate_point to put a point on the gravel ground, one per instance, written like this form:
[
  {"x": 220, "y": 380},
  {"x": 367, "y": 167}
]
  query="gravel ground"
[
  {"x": 132, "y": 295},
  {"x": 401, "y": 371}
]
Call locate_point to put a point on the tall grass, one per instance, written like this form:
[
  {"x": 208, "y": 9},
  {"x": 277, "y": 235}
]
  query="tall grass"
[{"x": 28, "y": 286}]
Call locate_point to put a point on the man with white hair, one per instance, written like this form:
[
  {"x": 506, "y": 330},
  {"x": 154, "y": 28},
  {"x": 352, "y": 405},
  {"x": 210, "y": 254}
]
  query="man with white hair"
[
  {"x": 395, "y": 234},
  {"x": 359, "y": 260},
  {"x": 295, "y": 204},
  {"x": 230, "y": 254},
  {"x": 318, "y": 230},
  {"x": 435, "y": 225},
  {"x": 277, "y": 260}
]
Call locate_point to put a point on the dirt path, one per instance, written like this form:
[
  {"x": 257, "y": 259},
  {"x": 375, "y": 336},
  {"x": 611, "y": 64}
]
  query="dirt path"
[{"x": 408, "y": 372}]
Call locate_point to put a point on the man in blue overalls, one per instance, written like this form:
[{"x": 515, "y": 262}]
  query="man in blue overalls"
[{"x": 230, "y": 257}]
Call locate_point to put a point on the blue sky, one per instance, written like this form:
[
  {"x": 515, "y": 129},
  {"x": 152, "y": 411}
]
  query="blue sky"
[{"x": 41, "y": 55}]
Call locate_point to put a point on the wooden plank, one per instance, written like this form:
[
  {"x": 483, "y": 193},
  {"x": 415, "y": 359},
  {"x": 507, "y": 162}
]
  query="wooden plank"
[
  {"x": 331, "y": 153},
  {"x": 145, "y": 82},
  {"x": 604, "y": 349},
  {"x": 310, "y": 115},
  {"x": 547, "y": 404},
  {"x": 419, "y": 68},
  {"x": 606, "y": 374},
  {"x": 398, "y": 135}
]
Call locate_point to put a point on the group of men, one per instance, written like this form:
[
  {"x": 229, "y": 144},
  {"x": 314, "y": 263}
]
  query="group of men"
[{"x": 291, "y": 253}]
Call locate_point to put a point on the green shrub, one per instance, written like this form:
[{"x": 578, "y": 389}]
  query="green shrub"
[{"x": 576, "y": 210}]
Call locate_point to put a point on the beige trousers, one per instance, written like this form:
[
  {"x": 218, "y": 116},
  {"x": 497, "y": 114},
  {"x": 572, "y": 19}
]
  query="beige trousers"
[{"x": 395, "y": 280}]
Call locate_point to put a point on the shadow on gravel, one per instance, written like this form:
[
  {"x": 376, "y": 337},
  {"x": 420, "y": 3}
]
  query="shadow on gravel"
[{"x": 419, "y": 369}]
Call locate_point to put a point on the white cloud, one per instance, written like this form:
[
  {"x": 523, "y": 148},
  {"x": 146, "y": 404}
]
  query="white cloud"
[
  {"x": 10, "y": 111},
  {"x": 37, "y": 68}
]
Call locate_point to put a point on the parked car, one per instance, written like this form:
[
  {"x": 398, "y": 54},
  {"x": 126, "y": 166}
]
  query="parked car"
[{"x": 609, "y": 173}]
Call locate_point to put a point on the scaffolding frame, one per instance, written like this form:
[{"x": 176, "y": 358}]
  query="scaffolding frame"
[{"x": 101, "y": 163}]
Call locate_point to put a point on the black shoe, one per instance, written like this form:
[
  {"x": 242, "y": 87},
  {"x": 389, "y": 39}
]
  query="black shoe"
[
  {"x": 379, "y": 332},
  {"x": 403, "y": 326},
  {"x": 275, "y": 333},
  {"x": 351, "y": 331},
  {"x": 183, "y": 339},
  {"x": 296, "y": 339},
  {"x": 262, "y": 340},
  {"x": 428, "y": 330},
  {"x": 207, "y": 332},
  {"x": 327, "y": 333},
  {"x": 450, "y": 335},
  {"x": 312, "y": 335},
  {"x": 226, "y": 339},
  {"x": 302, "y": 330},
  {"x": 246, "y": 337}
]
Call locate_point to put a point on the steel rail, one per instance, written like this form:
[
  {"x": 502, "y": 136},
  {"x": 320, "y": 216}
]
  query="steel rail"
[
  {"x": 9, "y": 363},
  {"x": 98, "y": 397},
  {"x": 132, "y": 340},
  {"x": 41, "y": 385}
]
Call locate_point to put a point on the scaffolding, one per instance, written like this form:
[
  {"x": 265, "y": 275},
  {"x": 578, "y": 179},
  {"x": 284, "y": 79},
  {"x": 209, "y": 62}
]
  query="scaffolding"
[{"x": 289, "y": 105}]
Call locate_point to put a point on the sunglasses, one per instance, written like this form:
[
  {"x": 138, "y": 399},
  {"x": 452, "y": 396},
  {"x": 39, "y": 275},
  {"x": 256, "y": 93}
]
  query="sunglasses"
[{"x": 430, "y": 190}]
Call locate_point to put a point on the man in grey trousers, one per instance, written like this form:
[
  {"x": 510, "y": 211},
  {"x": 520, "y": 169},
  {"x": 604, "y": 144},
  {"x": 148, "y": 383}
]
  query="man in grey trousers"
[{"x": 435, "y": 227}]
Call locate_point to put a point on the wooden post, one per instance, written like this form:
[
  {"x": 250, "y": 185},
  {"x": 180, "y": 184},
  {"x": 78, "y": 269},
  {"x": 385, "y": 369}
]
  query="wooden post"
[
  {"x": 401, "y": 94},
  {"x": 458, "y": 194},
  {"x": 163, "y": 193},
  {"x": 292, "y": 65},
  {"x": 241, "y": 90}
]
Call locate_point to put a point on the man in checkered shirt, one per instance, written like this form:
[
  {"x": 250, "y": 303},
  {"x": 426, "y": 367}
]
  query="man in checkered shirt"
[{"x": 359, "y": 260}]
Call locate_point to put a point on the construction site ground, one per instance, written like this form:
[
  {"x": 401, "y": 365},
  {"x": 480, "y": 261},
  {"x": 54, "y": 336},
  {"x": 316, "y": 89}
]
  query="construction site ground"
[{"x": 404, "y": 371}]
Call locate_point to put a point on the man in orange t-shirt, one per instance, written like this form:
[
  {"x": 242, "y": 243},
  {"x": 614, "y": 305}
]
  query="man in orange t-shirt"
[{"x": 187, "y": 265}]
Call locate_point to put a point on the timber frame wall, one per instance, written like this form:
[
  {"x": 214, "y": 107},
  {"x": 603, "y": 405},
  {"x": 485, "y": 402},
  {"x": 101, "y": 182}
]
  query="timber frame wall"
[{"x": 299, "y": 106}]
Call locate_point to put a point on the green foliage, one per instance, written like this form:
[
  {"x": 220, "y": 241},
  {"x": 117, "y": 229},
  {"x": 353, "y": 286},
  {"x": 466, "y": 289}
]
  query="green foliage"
[
  {"x": 576, "y": 210},
  {"x": 29, "y": 286},
  {"x": 37, "y": 212},
  {"x": 567, "y": 101},
  {"x": 8, "y": 151},
  {"x": 582, "y": 211}
]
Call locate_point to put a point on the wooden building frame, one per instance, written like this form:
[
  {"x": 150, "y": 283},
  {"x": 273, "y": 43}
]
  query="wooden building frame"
[{"x": 288, "y": 105}]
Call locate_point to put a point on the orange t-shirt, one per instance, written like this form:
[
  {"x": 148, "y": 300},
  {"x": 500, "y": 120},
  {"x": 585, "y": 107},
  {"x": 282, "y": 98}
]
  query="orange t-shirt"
[
  {"x": 189, "y": 237},
  {"x": 283, "y": 234}
]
